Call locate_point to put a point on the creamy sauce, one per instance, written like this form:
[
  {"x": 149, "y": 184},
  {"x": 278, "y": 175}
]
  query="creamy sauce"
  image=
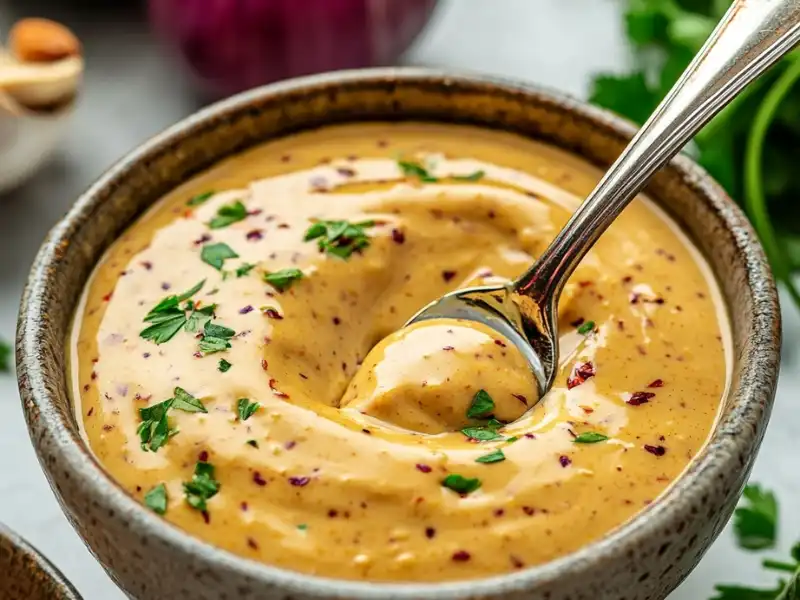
[{"x": 342, "y": 470}]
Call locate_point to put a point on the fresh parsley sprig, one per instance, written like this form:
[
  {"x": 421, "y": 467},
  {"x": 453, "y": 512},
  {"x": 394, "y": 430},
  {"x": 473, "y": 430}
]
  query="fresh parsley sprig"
[
  {"x": 167, "y": 317},
  {"x": 339, "y": 238},
  {"x": 154, "y": 431},
  {"x": 202, "y": 487}
]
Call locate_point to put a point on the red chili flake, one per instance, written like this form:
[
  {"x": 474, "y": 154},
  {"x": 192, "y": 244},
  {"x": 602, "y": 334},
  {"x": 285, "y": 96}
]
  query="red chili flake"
[
  {"x": 530, "y": 436},
  {"x": 333, "y": 513},
  {"x": 516, "y": 562},
  {"x": 284, "y": 226},
  {"x": 254, "y": 212},
  {"x": 461, "y": 556},
  {"x": 243, "y": 506},
  {"x": 272, "y": 313},
  {"x": 299, "y": 481},
  {"x": 290, "y": 444},
  {"x": 498, "y": 512},
  {"x": 580, "y": 374},
  {"x": 254, "y": 235},
  {"x": 93, "y": 376},
  {"x": 107, "y": 297},
  {"x": 529, "y": 510},
  {"x": 367, "y": 431},
  {"x": 656, "y": 383},
  {"x": 656, "y": 450},
  {"x": 286, "y": 158},
  {"x": 202, "y": 239},
  {"x": 275, "y": 391},
  {"x": 146, "y": 264},
  {"x": 564, "y": 460},
  {"x": 448, "y": 275},
  {"x": 382, "y": 143},
  {"x": 627, "y": 279},
  {"x": 258, "y": 479},
  {"x": 146, "y": 355},
  {"x": 398, "y": 237},
  {"x": 198, "y": 354},
  {"x": 91, "y": 412},
  {"x": 203, "y": 456},
  {"x": 86, "y": 387},
  {"x": 430, "y": 533},
  {"x": 252, "y": 543},
  {"x": 302, "y": 376},
  {"x": 423, "y": 468},
  {"x": 448, "y": 348},
  {"x": 521, "y": 398},
  {"x": 634, "y": 297},
  {"x": 584, "y": 284},
  {"x": 346, "y": 172},
  {"x": 264, "y": 364},
  {"x": 577, "y": 322},
  {"x": 500, "y": 343},
  {"x": 206, "y": 517},
  {"x": 639, "y": 398},
  {"x": 165, "y": 286},
  {"x": 245, "y": 309}
]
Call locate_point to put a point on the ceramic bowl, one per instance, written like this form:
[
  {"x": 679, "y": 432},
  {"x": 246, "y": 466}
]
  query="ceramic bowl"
[
  {"x": 149, "y": 558},
  {"x": 24, "y": 573}
]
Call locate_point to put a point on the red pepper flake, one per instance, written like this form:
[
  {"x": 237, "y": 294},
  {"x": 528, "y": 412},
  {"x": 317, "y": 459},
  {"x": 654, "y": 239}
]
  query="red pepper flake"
[
  {"x": 580, "y": 374},
  {"x": 577, "y": 322},
  {"x": 564, "y": 460},
  {"x": 585, "y": 284},
  {"x": 254, "y": 212},
  {"x": 202, "y": 239},
  {"x": 448, "y": 348},
  {"x": 86, "y": 387},
  {"x": 382, "y": 143},
  {"x": 107, "y": 297},
  {"x": 198, "y": 354},
  {"x": 272, "y": 313},
  {"x": 461, "y": 556},
  {"x": 264, "y": 364},
  {"x": 252, "y": 543},
  {"x": 258, "y": 479},
  {"x": 634, "y": 297},
  {"x": 367, "y": 431},
  {"x": 529, "y": 510},
  {"x": 656, "y": 383},
  {"x": 245, "y": 309},
  {"x": 146, "y": 355},
  {"x": 165, "y": 286},
  {"x": 639, "y": 398},
  {"x": 206, "y": 517},
  {"x": 299, "y": 481},
  {"x": 398, "y": 237},
  {"x": 346, "y": 172},
  {"x": 333, "y": 513},
  {"x": 521, "y": 398},
  {"x": 530, "y": 436},
  {"x": 93, "y": 376},
  {"x": 516, "y": 562},
  {"x": 655, "y": 450},
  {"x": 430, "y": 533},
  {"x": 203, "y": 456},
  {"x": 627, "y": 279},
  {"x": 500, "y": 343},
  {"x": 337, "y": 321},
  {"x": 290, "y": 444},
  {"x": 284, "y": 226},
  {"x": 243, "y": 506},
  {"x": 423, "y": 468},
  {"x": 498, "y": 512},
  {"x": 91, "y": 412},
  {"x": 448, "y": 275},
  {"x": 146, "y": 264},
  {"x": 286, "y": 158},
  {"x": 275, "y": 391},
  {"x": 254, "y": 235}
]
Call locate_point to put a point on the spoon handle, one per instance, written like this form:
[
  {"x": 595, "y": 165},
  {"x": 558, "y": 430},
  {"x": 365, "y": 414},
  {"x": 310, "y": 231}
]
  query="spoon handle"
[{"x": 753, "y": 35}]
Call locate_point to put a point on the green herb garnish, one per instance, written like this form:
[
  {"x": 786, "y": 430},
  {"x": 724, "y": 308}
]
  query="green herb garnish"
[
  {"x": 202, "y": 487},
  {"x": 6, "y": 352},
  {"x": 586, "y": 327},
  {"x": 416, "y": 170},
  {"x": 283, "y": 279},
  {"x": 245, "y": 408},
  {"x": 459, "y": 483},
  {"x": 228, "y": 215},
  {"x": 198, "y": 317},
  {"x": 200, "y": 199},
  {"x": 482, "y": 405},
  {"x": 481, "y": 434},
  {"x": 184, "y": 401},
  {"x": 245, "y": 269},
  {"x": 167, "y": 317},
  {"x": 475, "y": 176},
  {"x": 154, "y": 430},
  {"x": 755, "y": 523},
  {"x": 216, "y": 338},
  {"x": 302, "y": 527},
  {"x": 216, "y": 254},
  {"x": 223, "y": 365},
  {"x": 492, "y": 457},
  {"x": 156, "y": 499},
  {"x": 253, "y": 443},
  {"x": 589, "y": 437},
  {"x": 339, "y": 238}
]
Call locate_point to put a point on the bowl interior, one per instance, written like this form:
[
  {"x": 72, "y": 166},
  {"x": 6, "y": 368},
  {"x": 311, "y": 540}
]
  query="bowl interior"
[{"x": 701, "y": 208}]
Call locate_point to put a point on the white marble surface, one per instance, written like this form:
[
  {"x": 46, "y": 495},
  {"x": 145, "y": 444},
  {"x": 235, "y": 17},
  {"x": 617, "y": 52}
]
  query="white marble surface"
[{"x": 131, "y": 93}]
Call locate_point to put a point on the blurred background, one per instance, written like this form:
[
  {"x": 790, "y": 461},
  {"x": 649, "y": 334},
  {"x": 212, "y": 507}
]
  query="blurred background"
[{"x": 145, "y": 67}]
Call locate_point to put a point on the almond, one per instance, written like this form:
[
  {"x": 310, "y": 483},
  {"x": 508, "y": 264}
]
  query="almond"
[{"x": 42, "y": 40}]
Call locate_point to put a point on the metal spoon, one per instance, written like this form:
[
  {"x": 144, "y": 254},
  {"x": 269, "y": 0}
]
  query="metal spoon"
[{"x": 752, "y": 36}]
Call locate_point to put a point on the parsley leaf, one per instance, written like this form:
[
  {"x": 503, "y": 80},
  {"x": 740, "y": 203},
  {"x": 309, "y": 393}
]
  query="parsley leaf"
[
  {"x": 755, "y": 523},
  {"x": 156, "y": 499},
  {"x": 475, "y": 176},
  {"x": 339, "y": 238},
  {"x": 167, "y": 318},
  {"x": 492, "y": 457},
  {"x": 283, "y": 279},
  {"x": 736, "y": 592},
  {"x": 589, "y": 437},
  {"x": 585, "y": 328},
  {"x": 200, "y": 198},
  {"x": 228, "y": 215},
  {"x": 6, "y": 353},
  {"x": 416, "y": 170},
  {"x": 482, "y": 405},
  {"x": 245, "y": 409},
  {"x": 154, "y": 430},
  {"x": 198, "y": 317},
  {"x": 223, "y": 366},
  {"x": 216, "y": 254},
  {"x": 460, "y": 484},
  {"x": 216, "y": 338},
  {"x": 245, "y": 269},
  {"x": 202, "y": 487},
  {"x": 481, "y": 434},
  {"x": 253, "y": 443},
  {"x": 184, "y": 401}
]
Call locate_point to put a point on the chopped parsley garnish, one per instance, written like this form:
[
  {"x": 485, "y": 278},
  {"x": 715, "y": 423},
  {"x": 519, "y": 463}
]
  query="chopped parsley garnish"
[
  {"x": 216, "y": 338},
  {"x": 481, "y": 434},
  {"x": 416, "y": 170},
  {"x": 216, "y": 254},
  {"x": 283, "y": 279},
  {"x": 253, "y": 443},
  {"x": 200, "y": 199},
  {"x": 482, "y": 405},
  {"x": 492, "y": 457},
  {"x": 302, "y": 527},
  {"x": 590, "y": 437},
  {"x": 587, "y": 327},
  {"x": 184, "y": 401},
  {"x": 167, "y": 317},
  {"x": 6, "y": 352},
  {"x": 245, "y": 269},
  {"x": 339, "y": 238},
  {"x": 474, "y": 176},
  {"x": 459, "y": 483},
  {"x": 198, "y": 317},
  {"x": 223, "y": 366},
  {"x": 154, "y": 430},
  {"x": 245, "y": 409},
  {"x": 228, "y": 215},
  {"x": 156, "y": 499},
  {"x": 512, "y": 439},
  {"x": 755, "y": 523},
  {"x": 202, "y": 487}
]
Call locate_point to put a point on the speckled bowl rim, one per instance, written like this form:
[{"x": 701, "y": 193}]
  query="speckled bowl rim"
[
  {"x": 40, "y": 562},
  {"x": 722, "y": 453}
]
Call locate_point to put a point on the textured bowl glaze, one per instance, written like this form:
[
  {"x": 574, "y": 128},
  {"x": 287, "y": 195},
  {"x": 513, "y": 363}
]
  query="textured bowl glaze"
[
  {"x": 26, "y": 574},
  {"x": 149, "y": 558}
]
